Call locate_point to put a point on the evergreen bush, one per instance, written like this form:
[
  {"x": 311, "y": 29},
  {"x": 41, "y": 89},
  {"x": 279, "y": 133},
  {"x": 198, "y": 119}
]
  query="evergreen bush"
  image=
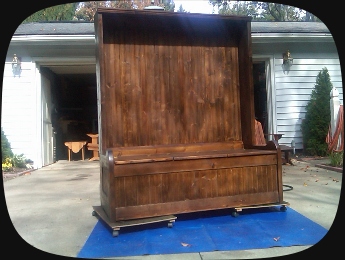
[
  {"x": 318, "y": 116},
  {"x": 6, "y": 150}
]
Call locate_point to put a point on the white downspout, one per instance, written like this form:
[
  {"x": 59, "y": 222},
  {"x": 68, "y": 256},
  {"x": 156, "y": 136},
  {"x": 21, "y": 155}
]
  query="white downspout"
[
  {"x": 38, "y": 163},
  {"x": 271, "y": 98}
]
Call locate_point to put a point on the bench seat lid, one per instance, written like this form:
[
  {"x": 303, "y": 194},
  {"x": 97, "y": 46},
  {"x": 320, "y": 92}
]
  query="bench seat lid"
[{"x": 146, "y": 158}]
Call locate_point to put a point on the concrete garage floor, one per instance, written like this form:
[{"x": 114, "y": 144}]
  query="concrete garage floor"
[{"x": 51, "y": 209}]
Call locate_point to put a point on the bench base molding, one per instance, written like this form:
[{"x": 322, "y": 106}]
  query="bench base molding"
[{"x": 187, "y": 206}]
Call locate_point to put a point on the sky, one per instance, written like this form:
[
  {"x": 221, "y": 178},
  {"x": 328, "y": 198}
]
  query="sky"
[{"x": 194, "y": 6}]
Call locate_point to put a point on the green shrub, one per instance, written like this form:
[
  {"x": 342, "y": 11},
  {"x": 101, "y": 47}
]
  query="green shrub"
[
  {"x": 6, "y": 151},
  {"x": 336, "y": 158},
  {"x": 19, "y": 161},
  {"x": 8, "y": 159},
  {"x": 318, "y": 116}
]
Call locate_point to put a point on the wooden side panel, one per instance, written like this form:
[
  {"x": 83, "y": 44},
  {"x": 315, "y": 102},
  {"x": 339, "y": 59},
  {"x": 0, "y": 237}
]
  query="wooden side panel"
[
  {"x": 108, "y": 194},
  {"x": 246, "y": 96},
  {"x": 99, "y": 71}
]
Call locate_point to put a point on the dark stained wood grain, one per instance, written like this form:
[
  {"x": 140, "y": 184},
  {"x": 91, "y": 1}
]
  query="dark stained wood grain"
[{"x": 143, "y": 105}]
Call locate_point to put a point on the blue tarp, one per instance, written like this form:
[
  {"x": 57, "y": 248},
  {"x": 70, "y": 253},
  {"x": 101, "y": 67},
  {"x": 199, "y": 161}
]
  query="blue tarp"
[{"x": 205, "y": 232}]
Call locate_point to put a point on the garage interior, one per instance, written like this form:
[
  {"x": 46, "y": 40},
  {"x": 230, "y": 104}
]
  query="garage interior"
[{"x": 74, "y": 106}]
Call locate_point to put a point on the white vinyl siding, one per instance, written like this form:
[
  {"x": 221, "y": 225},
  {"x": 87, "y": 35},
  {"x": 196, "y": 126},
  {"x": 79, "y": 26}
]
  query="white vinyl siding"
[
  {"x": 293, "y": 91},
  {"x": 18, "y": 112}
]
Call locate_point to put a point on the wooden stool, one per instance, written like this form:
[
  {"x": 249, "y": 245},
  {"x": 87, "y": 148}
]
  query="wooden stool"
[{"x": 93, "y": 146}]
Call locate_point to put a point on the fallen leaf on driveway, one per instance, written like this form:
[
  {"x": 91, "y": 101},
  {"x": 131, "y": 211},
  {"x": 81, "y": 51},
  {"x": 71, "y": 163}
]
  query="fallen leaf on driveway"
[
  {"x": 305, "y": 168},
  {"x": 304, "y": 184}
]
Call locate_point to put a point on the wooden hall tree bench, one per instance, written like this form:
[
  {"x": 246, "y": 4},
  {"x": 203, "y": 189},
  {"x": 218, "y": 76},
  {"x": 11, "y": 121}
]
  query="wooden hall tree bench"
[{"x": 176, "y": 116}]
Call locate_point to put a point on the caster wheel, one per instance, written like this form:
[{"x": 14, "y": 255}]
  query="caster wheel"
[
  {"x": 94, "y": 213},
  {"x": 115, "y": 233},
  {"x": 234, "y": 214},
  {"x": 170, "y": 224},
  {"x": 283, "y": 208}
]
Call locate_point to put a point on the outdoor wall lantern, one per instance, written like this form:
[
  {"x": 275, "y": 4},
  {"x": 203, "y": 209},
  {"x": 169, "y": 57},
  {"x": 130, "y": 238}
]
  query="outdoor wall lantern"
[
  {"x": 153, "y": 6},
  {"x": 287, "y": 62},
  {"x": 16, "y": 67}
]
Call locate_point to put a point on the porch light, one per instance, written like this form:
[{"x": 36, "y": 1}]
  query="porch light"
[
  {"x": 287, "y": 62},
  {"x": 153, "y": 6},
  {"x": 16, "y": 66}
]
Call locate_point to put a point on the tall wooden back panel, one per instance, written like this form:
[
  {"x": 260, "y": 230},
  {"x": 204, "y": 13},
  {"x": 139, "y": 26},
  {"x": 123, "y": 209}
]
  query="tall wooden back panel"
[{"x": 173, "y": 78}]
